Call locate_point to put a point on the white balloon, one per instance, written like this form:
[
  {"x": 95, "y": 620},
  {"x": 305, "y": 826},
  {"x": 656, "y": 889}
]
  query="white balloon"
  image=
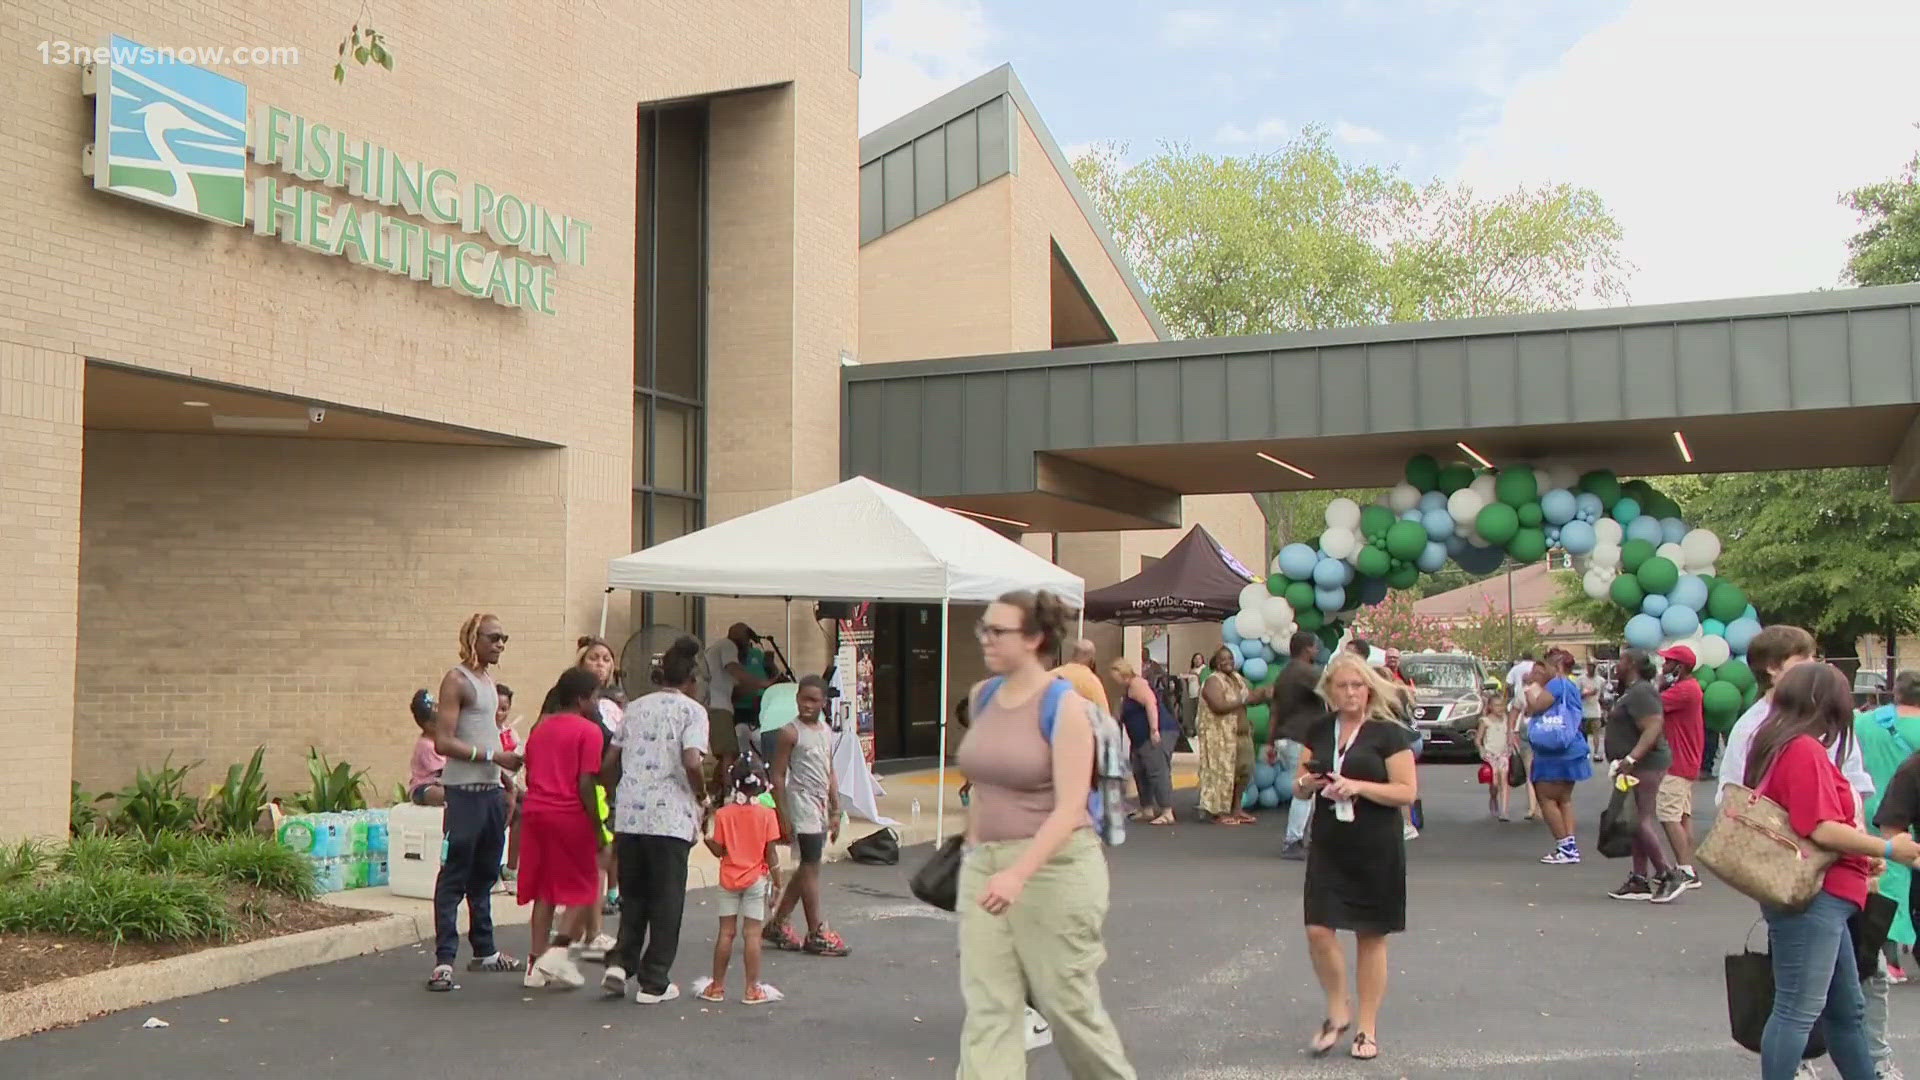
[
  {"x": 1607, "y": 555},
  {"x": 1542, "y": 482},
  {"x": 1702, "y": 547},
  {"x": 1339, "y": 541},
  {"x": 1266, "y": 639},
  {"x": 1275, "y": 611},
  {"x": 1608, "y": 532},
  {"x": 1251, "y": 598},
  {"x": 1249, "y": 623},
  {"x": 1463, "y": 529},
  {"x": 1343, "y": 513},
  {"x": 1486, "y": 486},
  {"x": 1672, "y": 553},
  {"x": 1562, "y": 476},
  {"x": 1465, "y": 505},
  {"x": 1595, "y": 584},
  {"x": 1713, "y": 650},
  {"x": 1403, "y": 497},
  {"x": 1705, "y": 571}
]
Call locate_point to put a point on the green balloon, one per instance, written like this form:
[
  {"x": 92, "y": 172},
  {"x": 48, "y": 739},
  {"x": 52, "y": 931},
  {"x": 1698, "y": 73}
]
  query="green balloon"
[
  {"x": 1528, "y": 545},
  {"x": 1530, "y": 516},
  {"x": 1373, "y": 562},
  {"x": 1626, "y": 592},
  {"x": 1257, "y": 719},
  {"x": 1638, "y": 490},
  {"x": 1375, "y": 521},
  {"x": 1710, "y": 581},
  {"x": 1657, "y": 575},
  {"x": 1497, "y": 523},
  {"x": 1721, "y": 701},
  {"x": 1726, "y": 602},
  {"x": 1406, "y": 539},
  {"x": 1516, "y": 487},
  {"x": 1752, "y": 695},
  {"x": 1277, "y": 584},
  {"x": 1299, "y": 595},
  {"x": 1661, "y": 507},
  {"x": 1603, "y": 483},
  {"x": 1455, "y": 476},
  {"x": 1703, "y": 676},
  {"x": 1735, "y": 673},
  {"x": 1405, "y": 577},
  {"x": 1634, "y": 554},
  {"x": 1423, "y": 472},
  {"x": 1309, "y": 619}
]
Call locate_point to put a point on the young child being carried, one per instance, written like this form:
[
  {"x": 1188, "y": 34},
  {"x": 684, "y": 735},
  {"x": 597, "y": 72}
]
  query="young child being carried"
[{"x": 745, "y": 835}]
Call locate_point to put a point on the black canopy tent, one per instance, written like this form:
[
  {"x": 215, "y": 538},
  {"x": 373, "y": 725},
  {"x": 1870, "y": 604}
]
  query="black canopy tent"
[{"x": 1197, "y": 581}]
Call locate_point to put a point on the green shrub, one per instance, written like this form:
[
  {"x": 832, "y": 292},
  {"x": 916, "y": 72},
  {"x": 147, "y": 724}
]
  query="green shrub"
[
  {"x": 234, "y": 806},
  {"x": 156, "y": 801},
  {"x": 24, "y": 861},
  {"x": 336, "y": 786},
  {"x": 259, "y": 861},
  {"x": 166, "y": 853},
  {"x": 117, "y": 906},
  {"x": 83, "y": 811},
  {"x": 98, "y": 854}
]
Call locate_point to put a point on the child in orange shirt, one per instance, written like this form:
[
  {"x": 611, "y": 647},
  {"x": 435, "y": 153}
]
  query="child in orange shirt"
[{"x": 745, "y": 835}]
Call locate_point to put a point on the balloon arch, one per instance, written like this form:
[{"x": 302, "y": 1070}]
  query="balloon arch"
[{"x": 1641, "y": 555}]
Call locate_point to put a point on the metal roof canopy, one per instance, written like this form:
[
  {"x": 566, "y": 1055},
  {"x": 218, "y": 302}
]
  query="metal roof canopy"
[{"x": 1109, "y": 437}]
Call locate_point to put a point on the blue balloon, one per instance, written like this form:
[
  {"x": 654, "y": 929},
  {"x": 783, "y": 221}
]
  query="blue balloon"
[
  {"x": 1252, "y": 649},
  {"x": 1739, "y": 634},
  {"x": 1558, "y": 506},
  {"x": 1250, "y": 798},
  {"x": 1672, "y": 530},
  {"x": 1690, "y": 592},
  {"x": 1330, "y": 573},
  {"x": 1373, "y": 590},
  {"x": 1433, "y": 557},
  {"x": 1480, "y": 560},
  {"x": 1654, "y": 604},
  {"x": 1589, "y": 506},
  {"x": 1679, "y": 621},
  {"x": 1269, "y": 798},
  {"x": 1254, "y": 668},
  {"x": 1332, "y": 599},
  {"x": 1296, "y": 561},
  {"x": 1626, "y": 510},
  {"x": 1264, "y": 775},
  {"x": 1267, "y": 653},
  {"x": 1578, "y": 537},
  {"x": 1411, "y": 515},
  {"x": 1439, "y": 523},
  {"x": 1553, "y": 536},
  {"x": 1643, "y": 632},
  {"x": 1433, "y": 500},
  {"x": 1645, "y": 528},
  {"x": 1229, "y": 633}
]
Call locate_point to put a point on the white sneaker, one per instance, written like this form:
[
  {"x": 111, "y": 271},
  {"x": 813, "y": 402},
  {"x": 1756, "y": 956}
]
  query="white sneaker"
[
  {"x": 534, "y": 979},
  {"x": 1039, "y": 1032},
  {"x": 614, "y": 982},
  {"x": 555, "y": 967},
  {"x": 1806, "y": 1072},
  {"x": 641, "y": 997},
  {"x": 596, "y": 950}
]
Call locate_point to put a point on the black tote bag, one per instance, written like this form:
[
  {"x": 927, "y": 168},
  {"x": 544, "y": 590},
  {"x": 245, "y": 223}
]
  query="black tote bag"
[
  {"x": 937, "y": 882},
  {"x": 1750, "y": 1002}
]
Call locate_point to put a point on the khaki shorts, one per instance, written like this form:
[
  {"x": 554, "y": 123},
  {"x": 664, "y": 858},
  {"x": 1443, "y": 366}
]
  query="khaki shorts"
[
  {"x": 1675, "y": 801},
  {"x": 749, "y": 903},
  {"x": 722, "y": 741}
]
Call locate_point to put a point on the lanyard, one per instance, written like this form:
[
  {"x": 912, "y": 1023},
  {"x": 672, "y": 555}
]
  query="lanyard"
[{"x": 1340, "y": 752}]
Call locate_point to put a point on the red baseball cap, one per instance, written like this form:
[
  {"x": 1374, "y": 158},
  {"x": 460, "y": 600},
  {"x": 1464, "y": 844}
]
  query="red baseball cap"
[{"x": 1682, "y": 654}]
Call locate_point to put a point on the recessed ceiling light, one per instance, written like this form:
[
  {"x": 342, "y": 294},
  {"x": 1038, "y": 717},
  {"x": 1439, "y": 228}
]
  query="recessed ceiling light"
[
  {"x": 990, "y": 517},
  {"x": 1474, "y": 454},
  {"x": 1680, "y": 441},
  {"x": 1287, "y": 465},
  {"x": 197, "y": 404}
]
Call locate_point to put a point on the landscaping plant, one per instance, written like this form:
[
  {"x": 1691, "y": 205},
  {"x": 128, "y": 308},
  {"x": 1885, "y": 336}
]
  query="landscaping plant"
[
  {"x": 118, "y": 905},
  {"x": 336, "y": 786},
  {"x": 156, "y": 801},
  {"x": 234, "y": 806}
]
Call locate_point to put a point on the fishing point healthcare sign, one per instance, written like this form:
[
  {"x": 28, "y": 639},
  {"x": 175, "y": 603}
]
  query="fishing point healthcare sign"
[{"x": 175, "y": 135}]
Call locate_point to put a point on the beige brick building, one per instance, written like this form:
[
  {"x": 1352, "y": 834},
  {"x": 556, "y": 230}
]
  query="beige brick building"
[{"x": 192, "y": 564}]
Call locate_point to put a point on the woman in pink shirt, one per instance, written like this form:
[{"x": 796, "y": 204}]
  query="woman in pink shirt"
[{"x": 560, "y": 836}]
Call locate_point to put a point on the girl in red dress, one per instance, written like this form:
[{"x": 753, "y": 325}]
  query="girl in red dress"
[{"x": 560, "y": 835}]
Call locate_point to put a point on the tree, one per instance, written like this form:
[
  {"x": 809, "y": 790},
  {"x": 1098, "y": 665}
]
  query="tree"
[
  {"x": 362, "y": 44},
  {"x": 1394, "y": 623},
  {"x": 1825, "y": 549},
  {"x": 1302, "y": 515},
  {"x": 1299, "y": 239},
  {"x": 1493, "y": 634},
  {"x": 1604, "y": 617},
  {"x": 1886, "y": 250}
]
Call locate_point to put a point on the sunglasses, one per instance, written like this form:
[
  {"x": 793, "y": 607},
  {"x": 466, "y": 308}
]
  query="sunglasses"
[{"x": 495, "y": 639}]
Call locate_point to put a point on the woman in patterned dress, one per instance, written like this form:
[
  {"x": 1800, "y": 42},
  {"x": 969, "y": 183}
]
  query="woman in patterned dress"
[{"x": 1226, "y": 739}]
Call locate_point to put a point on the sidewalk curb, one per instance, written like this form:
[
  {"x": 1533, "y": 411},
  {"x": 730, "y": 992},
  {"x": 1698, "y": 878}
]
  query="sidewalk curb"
[{"x": 83, "y": 997}]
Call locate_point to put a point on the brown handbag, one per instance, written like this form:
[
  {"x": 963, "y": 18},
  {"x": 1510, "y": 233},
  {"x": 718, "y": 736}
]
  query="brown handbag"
[{"x": 1753, "y": 848}]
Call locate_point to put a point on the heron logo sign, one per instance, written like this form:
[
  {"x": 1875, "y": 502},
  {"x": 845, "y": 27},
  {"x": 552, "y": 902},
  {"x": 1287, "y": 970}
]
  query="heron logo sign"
[{"x": 174, "y": 135}]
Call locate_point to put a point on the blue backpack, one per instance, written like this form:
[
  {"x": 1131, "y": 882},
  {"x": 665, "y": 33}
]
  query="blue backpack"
[{"x": 1109, "y": 755}]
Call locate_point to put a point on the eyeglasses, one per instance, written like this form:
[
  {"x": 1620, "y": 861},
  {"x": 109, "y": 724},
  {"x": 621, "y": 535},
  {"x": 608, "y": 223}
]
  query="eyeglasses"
[
  {"x": 986, "y": 631},
  {"x": 495, "y": 639}
]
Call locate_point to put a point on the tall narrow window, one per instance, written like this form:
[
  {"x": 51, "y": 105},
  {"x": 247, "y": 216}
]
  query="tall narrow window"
[{"x": 670, "y": 348}]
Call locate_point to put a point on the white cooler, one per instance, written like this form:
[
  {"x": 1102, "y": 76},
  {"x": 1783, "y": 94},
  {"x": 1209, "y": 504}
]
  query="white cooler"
[{"x": 413, "y": 850}]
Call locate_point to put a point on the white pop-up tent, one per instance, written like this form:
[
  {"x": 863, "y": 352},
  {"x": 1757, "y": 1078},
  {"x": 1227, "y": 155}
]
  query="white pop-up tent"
[{"x": 857, "y": 540}]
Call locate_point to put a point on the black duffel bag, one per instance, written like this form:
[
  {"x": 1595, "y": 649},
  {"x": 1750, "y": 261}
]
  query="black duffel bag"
[{"x": 876, "y": 849}]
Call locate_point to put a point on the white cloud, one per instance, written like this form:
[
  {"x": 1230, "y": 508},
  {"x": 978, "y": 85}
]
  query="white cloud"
[
  {"x": 1357, "y": 134},
  {"x": 1720, "y": 133},
  {"x": 1270, "y": 131},
  {"x": 1186, "y": 27},
  {"x": 916, "y": 50}
]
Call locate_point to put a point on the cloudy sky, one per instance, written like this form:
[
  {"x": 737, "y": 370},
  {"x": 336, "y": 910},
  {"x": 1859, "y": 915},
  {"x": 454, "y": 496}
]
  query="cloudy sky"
[{"x": 1719, "y": 131}]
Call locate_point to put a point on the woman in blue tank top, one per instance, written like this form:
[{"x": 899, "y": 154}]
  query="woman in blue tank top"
[{"x": 1549, "y": 689}]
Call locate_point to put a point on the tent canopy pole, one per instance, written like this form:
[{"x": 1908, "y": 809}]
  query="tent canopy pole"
[
  {"x": 606, "y": 595},
  {"x": 940, "y": 806}
]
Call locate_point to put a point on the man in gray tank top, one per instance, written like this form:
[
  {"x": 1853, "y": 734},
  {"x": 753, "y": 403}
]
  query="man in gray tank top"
[{"x": 475, "y": 823}]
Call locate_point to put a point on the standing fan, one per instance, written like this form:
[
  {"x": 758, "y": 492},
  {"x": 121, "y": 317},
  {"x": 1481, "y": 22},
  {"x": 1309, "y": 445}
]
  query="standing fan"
[{"x": 641, "y": 654}]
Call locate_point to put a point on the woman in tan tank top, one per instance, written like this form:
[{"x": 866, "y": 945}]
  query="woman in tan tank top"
[{"x": 1033, "y": 886}]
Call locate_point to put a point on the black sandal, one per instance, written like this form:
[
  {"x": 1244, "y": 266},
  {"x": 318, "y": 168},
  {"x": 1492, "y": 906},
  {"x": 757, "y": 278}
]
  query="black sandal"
[
  {"x": 1332, "y": 1036},
  {"x": 441, "y": 980},
  {"x": 1364, "y": 1048}
]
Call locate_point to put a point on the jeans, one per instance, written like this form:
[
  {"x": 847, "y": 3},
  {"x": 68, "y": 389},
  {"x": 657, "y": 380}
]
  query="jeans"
[
  {"x": 474, "y": 825},
  {"x": 1299, "y": 811},
  {"x": 1814, "y": 976},
  {"x": 653, "y": 898},
  {"x": 1153, "y": 771},
  {"x": 1876, "y": 989}
]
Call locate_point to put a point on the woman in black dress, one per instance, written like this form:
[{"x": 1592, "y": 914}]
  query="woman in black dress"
[{"x": 1359, "y": 766}]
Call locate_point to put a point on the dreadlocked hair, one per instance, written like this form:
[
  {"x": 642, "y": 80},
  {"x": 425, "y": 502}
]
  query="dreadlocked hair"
[{"x": 470, "y": 636}]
